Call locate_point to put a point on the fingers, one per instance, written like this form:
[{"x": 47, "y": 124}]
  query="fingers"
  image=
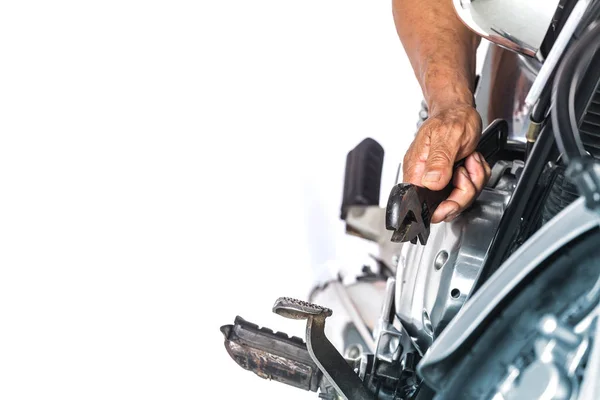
[
  {"x": 440, "y": 161},
  {"x": 448, "y": 209},
  {"x": 463, "y": 194},
  {"x": 468, "y": 182},
  {"x": 444, "y": 138},
  {"x": 478, "y": 170}
]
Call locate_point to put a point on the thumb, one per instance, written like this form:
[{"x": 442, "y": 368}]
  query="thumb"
[{"x": 439, "y": 165}]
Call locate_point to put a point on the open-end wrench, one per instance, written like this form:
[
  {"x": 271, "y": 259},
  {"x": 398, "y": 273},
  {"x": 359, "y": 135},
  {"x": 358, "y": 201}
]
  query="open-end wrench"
[
  {"x": 409, "y": 210},
  {"x": 410, "y": 207},
  {"x": 331, "y": 363}
]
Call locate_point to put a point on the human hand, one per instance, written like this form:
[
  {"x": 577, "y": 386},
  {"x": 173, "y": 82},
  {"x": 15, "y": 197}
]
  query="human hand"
[{"x": 448, "y": 135}]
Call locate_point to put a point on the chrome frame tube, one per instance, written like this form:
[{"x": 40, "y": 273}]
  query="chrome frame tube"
[{"x": 556, "y": 52}]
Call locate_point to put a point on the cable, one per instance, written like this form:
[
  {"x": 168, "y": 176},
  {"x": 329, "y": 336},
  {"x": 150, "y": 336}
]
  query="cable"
[
  {"x": 538, "y": 113},
  {"x": 540, "y": 110},
  {"x": 537, "y": 117}
]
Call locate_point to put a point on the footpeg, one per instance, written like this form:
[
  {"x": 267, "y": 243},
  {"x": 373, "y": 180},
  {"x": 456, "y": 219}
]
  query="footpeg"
[{"x": 274, "y": 356}]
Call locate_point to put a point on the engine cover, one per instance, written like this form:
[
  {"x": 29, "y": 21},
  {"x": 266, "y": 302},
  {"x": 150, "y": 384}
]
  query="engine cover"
[{"x": 435, "y": 280}]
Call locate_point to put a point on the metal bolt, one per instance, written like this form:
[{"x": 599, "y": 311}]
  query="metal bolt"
[
  {"x": 427, "y": 322},
  {"x": 553, "y": 329},
  {"x": 440, "y": 259},
  {"x": 353, "y": 352}
]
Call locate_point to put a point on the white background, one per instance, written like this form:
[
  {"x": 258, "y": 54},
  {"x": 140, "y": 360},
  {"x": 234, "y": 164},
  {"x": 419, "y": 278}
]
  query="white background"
[{"x": 168, "y": 165}]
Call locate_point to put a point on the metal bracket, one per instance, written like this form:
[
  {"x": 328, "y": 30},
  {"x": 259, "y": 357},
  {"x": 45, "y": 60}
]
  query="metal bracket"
[{"x": 389, "y": 346}]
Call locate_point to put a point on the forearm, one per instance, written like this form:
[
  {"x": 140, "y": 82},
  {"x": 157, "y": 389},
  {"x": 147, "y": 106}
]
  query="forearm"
[{"x": 440, "y": 48}]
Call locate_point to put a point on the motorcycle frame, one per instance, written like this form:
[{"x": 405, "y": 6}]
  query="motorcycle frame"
[{"x": 504, "y": 274}]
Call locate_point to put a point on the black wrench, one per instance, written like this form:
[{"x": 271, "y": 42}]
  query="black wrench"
[{"x": 410, "y": 207}]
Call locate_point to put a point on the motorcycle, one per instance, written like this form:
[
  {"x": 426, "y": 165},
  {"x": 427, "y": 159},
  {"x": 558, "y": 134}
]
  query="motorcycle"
[{"x": 504, "y": 301}]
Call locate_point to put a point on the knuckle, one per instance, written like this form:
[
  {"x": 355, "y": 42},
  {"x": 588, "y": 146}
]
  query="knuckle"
[
  {"x": 441, "y": 156},
  {"x": 428, "y": 126},
  {"x": 481, "y": 169},
  {"x": 486, "y": 166},
  {"x": 470, "y": 143},
  {"x": 488, "y": 173},
  {"x": 458, "y": 126},
  {"x": 467, "y": 185},
  {"x": 470, "y": 189}
]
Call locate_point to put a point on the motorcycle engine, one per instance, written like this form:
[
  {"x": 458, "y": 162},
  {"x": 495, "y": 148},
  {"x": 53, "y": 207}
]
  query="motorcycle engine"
[
  {"x": 435, "y": 280},
  {"x": 432, "y": 281}
]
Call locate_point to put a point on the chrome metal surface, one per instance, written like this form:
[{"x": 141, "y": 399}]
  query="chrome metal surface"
[
  {"x": 550, "y": 327},
  {"x": 590, "y": 324},
  {"x": 435, "y": 280},
  {"x": 357, "y": 306},
  {"x": 505, "y": 81},
  {"x": 554, "y": 362},
  {"x": 350, "y": 307},
  {"x": 556, "y": 52},
  {"x": 573, "y": 221},
  {"x": 517, "y": 25},
  {"x": 394, "y": 351},
  {"x": 388, "y": 347},
  {"x": 544, "y": 381},
  {"x": 590, "y": 386},
  {"x": 560, "y": 359},
  {"x": 498, "y": 172}
]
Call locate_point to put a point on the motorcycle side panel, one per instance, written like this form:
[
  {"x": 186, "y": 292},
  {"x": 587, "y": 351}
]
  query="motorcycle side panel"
[{"x": 435, "y": 280}]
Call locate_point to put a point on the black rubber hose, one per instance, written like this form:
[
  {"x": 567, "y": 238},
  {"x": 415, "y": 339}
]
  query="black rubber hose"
[
  {"x": 568, "y": 76},
  {"x": 538, "y": 112},
  {"x": 591, "y": 14},
  {"x": 528, "y": 148}
]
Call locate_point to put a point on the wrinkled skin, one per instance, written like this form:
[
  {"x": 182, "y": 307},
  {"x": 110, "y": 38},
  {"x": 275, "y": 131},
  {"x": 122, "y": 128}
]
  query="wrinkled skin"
[
  {"x": 442, "y": 52},
  {"x": 447, "y": 136}
]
